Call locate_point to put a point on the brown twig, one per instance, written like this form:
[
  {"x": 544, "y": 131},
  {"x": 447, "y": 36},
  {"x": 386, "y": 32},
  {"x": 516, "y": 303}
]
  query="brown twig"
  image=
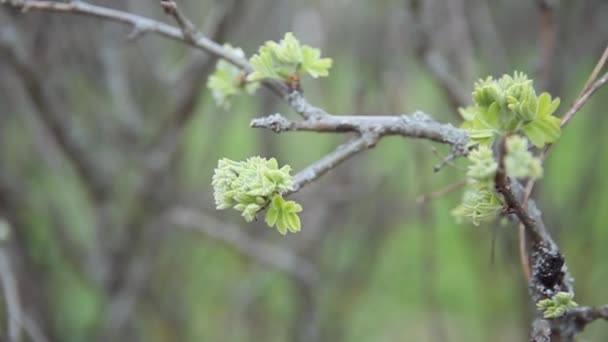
[
  {"x": 547, "y": 40},
  {"x": 590, "y": 87},
  {"x": 188, "y": 28},
  {"x": 422, "y": 199}
]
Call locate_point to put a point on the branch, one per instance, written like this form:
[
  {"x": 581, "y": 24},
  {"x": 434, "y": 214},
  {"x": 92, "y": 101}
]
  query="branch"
[
  {"x": 50, "y": 115},
  {"x": 584, "y": 97},
  {"x": 193, "y": 38},
  {"x": 418, "y": 125},
  {"x": 437, "y": 66},
  {"x": 261, "y": 251},
  {"x": 541, "y": 331},
  {"x": 590, "y": 87},
  {"x": 587, "y": 314},
  {"x": 549, "y": 274},
  {"x": 331, "y": 160},
  {"x": 192, "y": 78},
  {"x": 11, "y": 296},
  {"x": 188, "y": 29},
  {"x": 547, "y": 35}
]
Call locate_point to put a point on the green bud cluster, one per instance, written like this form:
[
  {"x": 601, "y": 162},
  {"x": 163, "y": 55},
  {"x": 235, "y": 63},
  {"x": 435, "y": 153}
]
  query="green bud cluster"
[
  {"x": 287, "y": 59},
  {"x": 483, "y": 166},
  {"x": 506, "y": 107},
  {"x": 283, "y": 214},
  {"x": 228, "y": 80},
  {"x": 556, "y": 307},
  {"x": 254, "y": 184},
  {"x": 519, "y": 161},
  {"x": 479, "y": 202},
  {"x": 510, "y": 105}
]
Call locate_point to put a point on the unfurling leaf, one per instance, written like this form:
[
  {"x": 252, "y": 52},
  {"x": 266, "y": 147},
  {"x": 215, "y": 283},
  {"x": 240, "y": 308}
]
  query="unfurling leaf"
[
  {"x": 283, "y": 214},
  {"x": 510, "y": 105},
  {"x": 286, "y": 59},
  {"x": 228, "y": 80}
]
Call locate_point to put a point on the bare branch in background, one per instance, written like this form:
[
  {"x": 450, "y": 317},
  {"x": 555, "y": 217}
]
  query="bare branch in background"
[
  {"x": 261, "y": 251},
  {"x": 437, "y": 64},
  {"x": 143, "y": 24},
  {"x": 423, "y": 199},
  {"x": 49, "y": 113},
  {"x": 192, "y": 78},
  {"x": 548, "y": 30},
  {"x": 12, "y": 300}
]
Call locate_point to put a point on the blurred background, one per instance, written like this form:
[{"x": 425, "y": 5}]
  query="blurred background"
[{"x": 108, "y": 145}]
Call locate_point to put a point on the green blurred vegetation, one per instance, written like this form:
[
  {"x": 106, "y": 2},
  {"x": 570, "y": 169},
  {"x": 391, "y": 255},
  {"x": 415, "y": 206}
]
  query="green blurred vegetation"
[{"x": 391, "y": 269}]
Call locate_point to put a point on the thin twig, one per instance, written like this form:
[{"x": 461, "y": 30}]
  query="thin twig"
[
  {"x": 587, "y": 314},
  {"x": 596, "y": 70},
  {"x": 590, "y": 87},
  {"x": 188, "y": 28},
  {"x": 331, "y": 160},
  {"x": 440, "y": 193},
  {"x": 144, "y": 25},
  {"x": 48, "y": 112},
  {"x": 261, "y": 251},
  {"x": 547, "y": 40},
  {"x": 578, "y": 104}
]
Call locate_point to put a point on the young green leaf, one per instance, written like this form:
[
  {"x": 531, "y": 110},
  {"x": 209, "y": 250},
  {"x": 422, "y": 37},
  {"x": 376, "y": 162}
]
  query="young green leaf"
[
  {"x": 228, "y": 80},
  {"x": 283, "y": 214},
  {"x": 287, "y": 59}
]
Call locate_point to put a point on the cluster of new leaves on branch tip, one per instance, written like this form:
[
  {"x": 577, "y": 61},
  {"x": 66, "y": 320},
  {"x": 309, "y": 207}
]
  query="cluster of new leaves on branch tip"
[
  {"x": 504, "y": 109},
  {"x": 253, "y": 185},
  {"x": 556, "y": 307},
  {"x": 228, "y": 80},
  {"x": 286, "y": 60},
  {"x": 480, "y": 201},
  {"x": 510, "y": 105}
]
